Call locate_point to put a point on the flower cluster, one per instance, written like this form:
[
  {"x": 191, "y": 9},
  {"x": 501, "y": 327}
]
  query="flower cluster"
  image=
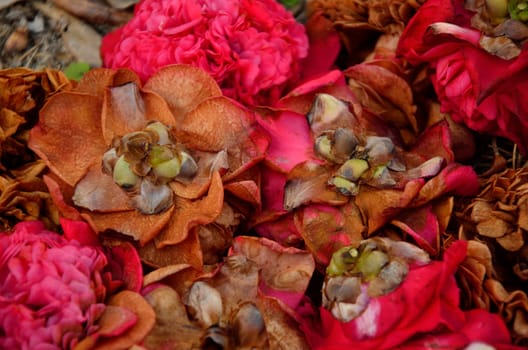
[
  {"x": 251, "y": 48},
  {"x": 214, "y": 191}
]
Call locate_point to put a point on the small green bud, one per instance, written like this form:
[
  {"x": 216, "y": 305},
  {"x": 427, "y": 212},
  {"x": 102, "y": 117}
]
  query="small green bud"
[
  {"x": 352, "y": 169},
  {"x": 161, "y": 130},
  {"x": 160, "y": 154},
  {"x": 123, "y": 174},
  {"x": 345, "y": 186},
  {"x": 370, "y": 264},
  {"x": 323, "y": 147},
  {"x": 168, "y": 170},
  {"x": 341, "y": 261}
]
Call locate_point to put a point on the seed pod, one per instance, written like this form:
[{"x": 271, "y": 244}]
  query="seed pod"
[
  {"x": 188, "y": 167},
  {"x": 123, "y": 174},
  {"x": 352, "y": 169}
]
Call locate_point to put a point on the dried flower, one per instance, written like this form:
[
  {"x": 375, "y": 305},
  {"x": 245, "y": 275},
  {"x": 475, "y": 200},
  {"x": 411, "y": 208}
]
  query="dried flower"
[
  {"x": 23, "y": 194},
  {"x": 150, "y": 162},
  {"x": 251, "y": 48},
  {"x": 258, "y": 313},
  {"x": 422, "y": 311},
  {"x": 349, "y": 175}
]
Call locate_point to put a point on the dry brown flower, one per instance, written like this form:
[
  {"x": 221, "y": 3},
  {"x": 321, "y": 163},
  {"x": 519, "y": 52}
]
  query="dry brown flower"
[
  {"x": 23, "y": 194},
  {"x": 495, "y": 272},
  {"x": 479, "y": 281}
]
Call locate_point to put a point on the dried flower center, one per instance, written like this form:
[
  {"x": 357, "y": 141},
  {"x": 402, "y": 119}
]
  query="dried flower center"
[
  {"x": 374, "y": 268},
  {"x": 143, "y": 162},
  {"x": 503, "y": 23}
]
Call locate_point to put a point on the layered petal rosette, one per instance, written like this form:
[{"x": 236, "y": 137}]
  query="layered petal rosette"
[
  {"x": 350, "y": 175},
  {"x": 168, "y": 164},
  {"x": 384, "y": 294},
  {"x": 247, "y": 302},
  {"x": 251, "y": 48},
  {"x": 478, "y": 63},
  {"x": 57, "y": 292}
]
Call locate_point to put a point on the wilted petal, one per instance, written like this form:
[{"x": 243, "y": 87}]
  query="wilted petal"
[
  {"x": 285, "y": 272},
  {"x": 308, "y": 183},
  {"x": 190, "y": 213},
  {"x": 97, "y": 191},
  {"x": 146, "y": 319},
  {"x": 97, "y": 80},
  {"x": 183, "y": 87},
  {"x": 140, "y": 227},
  {"x": 127, "y": 109},
  {"x": 187, "y": 251},
  {"x": 61, "y": 143}
]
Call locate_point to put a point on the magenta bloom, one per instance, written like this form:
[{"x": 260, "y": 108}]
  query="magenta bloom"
[
  {"x": 51, "y": 289},
  {"x": 251, "y": 47}
]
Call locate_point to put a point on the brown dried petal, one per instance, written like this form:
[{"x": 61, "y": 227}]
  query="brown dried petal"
[
  {"x": 307, "y": 183},
  {"x": 191, "y": 213},
  {"x": 512, "y": 241},
  {"x": 172, "y": 329},
  {"x": 69, "y": 149},
  {"x": 183, "y": 87},
  {"x": 146, "y": 319},
  {"x": 98, "y": 192},
  {"x": 283, "y": 331},
  {"x": 493, "y": 227}
]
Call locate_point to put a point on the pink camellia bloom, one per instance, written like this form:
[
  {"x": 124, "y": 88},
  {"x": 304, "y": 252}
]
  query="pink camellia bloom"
[
  {"x": 477, "y": 74},
  {"x": 252, "y": 48},
  {"x": 54, "y": 291}
]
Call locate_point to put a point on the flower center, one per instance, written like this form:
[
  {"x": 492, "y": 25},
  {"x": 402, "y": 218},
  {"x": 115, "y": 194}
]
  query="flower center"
[{"x": 144, "y": 162}]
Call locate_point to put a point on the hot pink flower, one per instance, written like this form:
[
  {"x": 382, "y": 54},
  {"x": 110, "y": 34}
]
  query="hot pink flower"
[
  {"x": 480, "y": 89},
  {"x": 54, "y": 289},
  {"x": 251, "y": 47}
]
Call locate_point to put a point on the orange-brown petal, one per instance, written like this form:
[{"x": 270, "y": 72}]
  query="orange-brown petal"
[
  {"x": 215, "y": 124},
  {"x": 96, "y": 80},
  {"x": 141, "y": 227},
  {"x": 146, "y": 318},
  {"x": 61, "y": 196},
  {"x": 245, "y": 190},
  {"x": 190, "y": 213},
  {"x": 378, "y": 206},
  {"x": 183, "y": 87},
  {"x": 69, "y": 136},
  {"x": 185, "y": 252}
]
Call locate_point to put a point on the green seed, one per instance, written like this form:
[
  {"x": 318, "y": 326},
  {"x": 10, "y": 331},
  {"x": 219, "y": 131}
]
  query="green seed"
[
  {"x": 352, "y": 169},
  {"x": 169, "y": 169},
  {"x": 123, "y": 174},
  {"x": 161, "y": 130}
]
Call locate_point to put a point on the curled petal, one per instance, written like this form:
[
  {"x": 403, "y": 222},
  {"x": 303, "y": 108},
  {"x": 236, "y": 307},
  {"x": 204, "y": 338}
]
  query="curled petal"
[{"x": 190, "y": 213}]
